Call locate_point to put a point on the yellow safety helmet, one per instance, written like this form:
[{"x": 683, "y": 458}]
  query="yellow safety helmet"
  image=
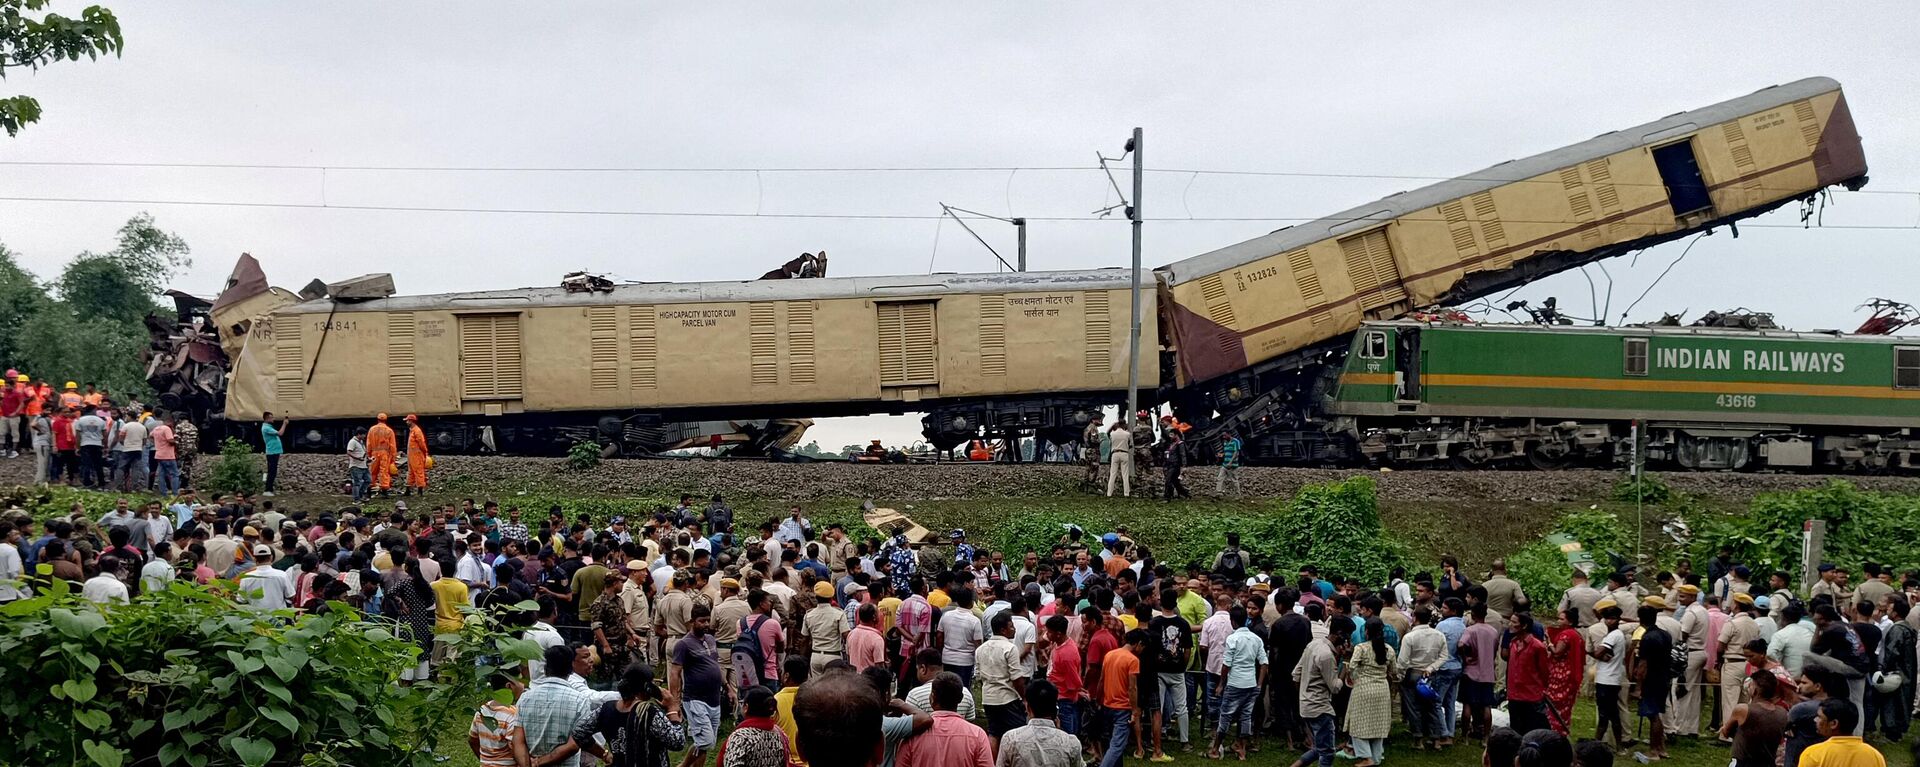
[
  {"x": 72, "y": 385},
  {"x": 22, "y": 378}
]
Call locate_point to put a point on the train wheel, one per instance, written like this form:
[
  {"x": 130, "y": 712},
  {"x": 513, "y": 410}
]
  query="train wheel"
[{"x": 1545, "y": 458}]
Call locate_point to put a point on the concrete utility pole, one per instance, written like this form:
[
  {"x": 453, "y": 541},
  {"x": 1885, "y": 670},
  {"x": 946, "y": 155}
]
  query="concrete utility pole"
[
  {"x": 1020, "y": 225},
  {"x": 1138, "y": 147}
]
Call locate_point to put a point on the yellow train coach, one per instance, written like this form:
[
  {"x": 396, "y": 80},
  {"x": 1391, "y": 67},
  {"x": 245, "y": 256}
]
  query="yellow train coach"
[
  {"x": 531, "y": 369},
  {"x": 1277, "y": 301}
]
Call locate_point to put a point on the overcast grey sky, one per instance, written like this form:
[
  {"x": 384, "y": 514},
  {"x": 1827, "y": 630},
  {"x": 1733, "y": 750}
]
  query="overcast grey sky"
[{"x": 1425, "y": 90}]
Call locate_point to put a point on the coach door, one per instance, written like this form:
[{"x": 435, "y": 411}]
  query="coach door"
[
  {"x": 909, "y": 348},
  {"x": 1406, "y": 365}
]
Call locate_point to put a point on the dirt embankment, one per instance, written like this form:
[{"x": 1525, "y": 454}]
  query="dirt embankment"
[{"x": 802, "y": 482}]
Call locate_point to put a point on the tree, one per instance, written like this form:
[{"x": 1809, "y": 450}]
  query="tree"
[
  {"x": 33, "y": 43},
  {"x": 21, "y": 296},
  {"x": 94, "y": 331}
]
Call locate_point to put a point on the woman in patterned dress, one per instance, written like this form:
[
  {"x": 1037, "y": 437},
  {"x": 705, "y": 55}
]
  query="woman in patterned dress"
[
  {"x": 758, "y": 741},
  {"x": 414, "y": 606},
  {"x": 638, "y": 732},
  {"x": 1371, "y": 671}
]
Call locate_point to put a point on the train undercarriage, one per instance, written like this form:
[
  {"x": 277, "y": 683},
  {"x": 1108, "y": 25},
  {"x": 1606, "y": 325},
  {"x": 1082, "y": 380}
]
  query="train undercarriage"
[{"x": 1473, "y": 443}]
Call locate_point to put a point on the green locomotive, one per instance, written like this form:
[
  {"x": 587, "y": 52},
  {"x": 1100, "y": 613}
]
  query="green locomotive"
[{"x": 1413, "y": 392}]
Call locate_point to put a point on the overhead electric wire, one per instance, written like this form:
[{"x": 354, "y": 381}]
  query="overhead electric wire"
[
  {"x": 1009, "y": 169},
  {"x": 828, "y": 216}
]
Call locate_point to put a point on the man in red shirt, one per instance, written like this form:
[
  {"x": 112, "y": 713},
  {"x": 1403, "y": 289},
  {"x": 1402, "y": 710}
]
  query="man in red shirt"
[
  {"x": 13, "y": 404},
  {"x": 1527, "y": 669},
  {"x": 66, "y": 459},
  {"x": 1063, "y": 670},
  {"x": 1099, "y": 642}
]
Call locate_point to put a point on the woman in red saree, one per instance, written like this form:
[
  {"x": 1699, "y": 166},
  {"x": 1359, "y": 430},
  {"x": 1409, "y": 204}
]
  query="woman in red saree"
[{"x": 1568, "y": 653}]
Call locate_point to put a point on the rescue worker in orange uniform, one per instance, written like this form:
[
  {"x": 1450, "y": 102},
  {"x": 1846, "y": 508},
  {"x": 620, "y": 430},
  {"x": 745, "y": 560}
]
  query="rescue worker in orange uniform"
[
  {"x": 417, "y": 458},
  {"x": 381, "y": 451},
  {"x": 71, "y": 399}
]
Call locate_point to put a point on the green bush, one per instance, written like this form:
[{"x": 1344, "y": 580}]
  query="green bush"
[
  {"x": 186, "y": 676},
  {"x": 1644, "y": 490},
  {"x": 583, "y": 455},
  {"x": 237, "y": 470},
  {"x": 1541, "y": 568},
  {"x": 1862, "y": 526}
]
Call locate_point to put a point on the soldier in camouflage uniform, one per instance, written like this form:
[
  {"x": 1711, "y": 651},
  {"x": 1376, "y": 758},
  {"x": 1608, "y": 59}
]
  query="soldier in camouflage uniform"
[
  {"x": 1090, "y": 454},
  {"x": 1142, "y": 449}
]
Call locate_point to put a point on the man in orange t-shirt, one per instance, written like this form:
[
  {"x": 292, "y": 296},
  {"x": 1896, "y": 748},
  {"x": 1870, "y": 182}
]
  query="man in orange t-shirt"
[{"x": 1120, "y": 695}]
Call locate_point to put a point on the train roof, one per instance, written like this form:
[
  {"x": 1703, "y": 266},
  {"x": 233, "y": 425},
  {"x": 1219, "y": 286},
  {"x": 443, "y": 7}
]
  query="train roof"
[
  {"x": 741, "y": 290},
  {"x": 1403, "y": 203},
  {"x": 1646, "y": 330}
]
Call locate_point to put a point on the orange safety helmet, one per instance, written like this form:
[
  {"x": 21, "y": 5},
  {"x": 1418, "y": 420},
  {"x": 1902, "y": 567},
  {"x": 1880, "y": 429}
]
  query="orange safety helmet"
[
  {"x": 380, "y": 417},
  {"x": 411, "y": 418}
]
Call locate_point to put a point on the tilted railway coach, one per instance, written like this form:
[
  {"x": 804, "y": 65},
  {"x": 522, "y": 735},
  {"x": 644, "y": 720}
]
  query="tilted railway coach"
[
  {"x": 1248, "y": 323},
  {"x": 1415, "y": 392},
  {"x": 534, "y": 370}
]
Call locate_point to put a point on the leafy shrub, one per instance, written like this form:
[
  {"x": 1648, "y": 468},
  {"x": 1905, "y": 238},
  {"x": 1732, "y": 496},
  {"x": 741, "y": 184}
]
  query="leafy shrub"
[
  {"x": 1336, "y": 526},
  {"x": 1541, "y": 567},
  {"x": 237, "y": 470},
  {"x": 583, "y": 455},
  {"x": 186, "y": 676},
  {"x": 1646, "y": 490},
  {"x": 1862, "y": 526}
]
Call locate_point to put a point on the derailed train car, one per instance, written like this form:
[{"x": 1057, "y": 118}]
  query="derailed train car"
[
  {"x": 535, "y": 370},
  {"x": 1255, "y": 327},
  {"x": 1469, "y": 395},
  {"x": 1252, "y": 337}
]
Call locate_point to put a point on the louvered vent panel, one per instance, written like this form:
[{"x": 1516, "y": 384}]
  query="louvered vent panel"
[
  {"x": 1306, "y": 277},
  {"x": 1099, "y": 332},
  {"x": 490, "y": 359},
  {"x": 643, "y": 348},
  {"x": 763, "y": 344},
  {"x": 401, "y": 331},
  {"x": 1213, "y": 290},
  {"x": 800, "y": 342},
  {"x": 286, "y": 345},
  {"x": 993, "y": 335},
  {"x": 1809, "y": 123},
  {"x": 289, "y": 360},
  {"x": 908, "y": 354},
  {"x": 1376, "y": 278},
  {"x": 1600, "y": 176},
  {"x": 1492, "y": 233},
  {"x": 603, "y": 327},
  {"x": 1570, "y": 178}
]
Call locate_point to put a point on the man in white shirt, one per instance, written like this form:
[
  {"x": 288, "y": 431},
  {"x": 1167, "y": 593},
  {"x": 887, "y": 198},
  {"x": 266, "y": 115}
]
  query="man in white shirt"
[
  {"x": 358, "y": 475},
  {"x": 106, "y": 587},
  {"x": 472, "y": 570},
  {"x": 129, "y": 456},
  {"x": 158, "y": 572},
  {"x": 544, "y": 634},
  {"x": 794, "y": 528},
  {"x": 12, "y": 566},
  {"x": 265, "y": 588}
]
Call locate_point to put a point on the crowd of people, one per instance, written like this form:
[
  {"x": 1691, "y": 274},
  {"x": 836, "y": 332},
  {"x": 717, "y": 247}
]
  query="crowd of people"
[
  {"x": 805, "y": 645},
  {"x": 84, "y": 438}
]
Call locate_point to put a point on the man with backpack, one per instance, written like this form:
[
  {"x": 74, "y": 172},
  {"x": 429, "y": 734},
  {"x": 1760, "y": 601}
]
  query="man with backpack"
[
  {"x": 1231, "y": 562},
  {"x": 756, "y": 652}
]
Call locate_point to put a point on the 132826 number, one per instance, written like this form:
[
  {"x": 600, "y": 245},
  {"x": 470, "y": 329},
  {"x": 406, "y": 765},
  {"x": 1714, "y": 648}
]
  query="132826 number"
[{"x": 1737, "y": 401}]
